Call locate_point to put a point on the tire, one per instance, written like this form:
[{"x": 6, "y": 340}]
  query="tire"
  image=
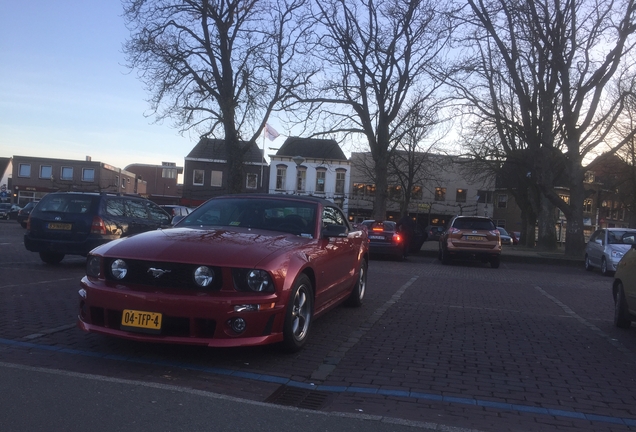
[
  {"x": 51, "y": 257},
  {"x": 604, "y": 270},
  {"x": 621, "y": 314},
  {"x": 359, "y": 289},
  {"x": 299, "y": 315},
  {"x": 588, "y": 266},
  {"x": 494, "y": 261}
]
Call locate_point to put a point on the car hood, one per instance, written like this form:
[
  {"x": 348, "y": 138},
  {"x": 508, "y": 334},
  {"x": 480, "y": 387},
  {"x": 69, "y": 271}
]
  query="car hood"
[{"x": 221, "y": 246}]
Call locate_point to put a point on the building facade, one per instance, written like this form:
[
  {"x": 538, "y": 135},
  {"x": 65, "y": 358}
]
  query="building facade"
[
  {"x": 444, "y": 191},
  {"x": 308, "y": 166},
  {"x": 34, "y": 177},
  {"x": 162, "y": 181},
  {"x": 205, "y": 173}
]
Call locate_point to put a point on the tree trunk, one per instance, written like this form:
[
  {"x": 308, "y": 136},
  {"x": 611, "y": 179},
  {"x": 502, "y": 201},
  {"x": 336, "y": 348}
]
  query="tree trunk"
[{"x": 547, "y": 225}]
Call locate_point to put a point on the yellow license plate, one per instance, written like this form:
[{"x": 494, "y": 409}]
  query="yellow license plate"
[
  {"x": 135, "y": 320},
  {"x": 475, "y": 238},
  {"x": 60, "y": 226}
]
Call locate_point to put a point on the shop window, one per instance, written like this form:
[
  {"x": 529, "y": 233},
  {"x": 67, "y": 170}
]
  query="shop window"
[{"x": 440, "y": 194}]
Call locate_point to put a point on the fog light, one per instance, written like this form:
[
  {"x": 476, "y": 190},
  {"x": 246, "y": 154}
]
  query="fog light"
[{"x": 238, "y": 325}]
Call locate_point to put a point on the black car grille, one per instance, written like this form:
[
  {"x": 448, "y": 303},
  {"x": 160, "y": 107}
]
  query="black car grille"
[{"x": 165, "y": 275}]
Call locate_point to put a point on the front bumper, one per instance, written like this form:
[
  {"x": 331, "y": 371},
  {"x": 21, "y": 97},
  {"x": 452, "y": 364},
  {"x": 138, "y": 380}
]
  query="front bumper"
[{"x": 187, "y": 318}]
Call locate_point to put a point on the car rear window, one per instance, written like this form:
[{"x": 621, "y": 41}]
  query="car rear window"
[
  {"x": 75, "y": 204},
  {"x": 474, "y": 224}
]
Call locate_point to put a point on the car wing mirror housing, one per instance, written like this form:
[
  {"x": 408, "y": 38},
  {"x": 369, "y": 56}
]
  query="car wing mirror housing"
[{"x": 334, "y": 231}]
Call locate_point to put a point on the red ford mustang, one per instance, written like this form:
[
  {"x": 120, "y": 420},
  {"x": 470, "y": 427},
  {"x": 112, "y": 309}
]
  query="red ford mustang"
[{"x": 239, "y": 270}]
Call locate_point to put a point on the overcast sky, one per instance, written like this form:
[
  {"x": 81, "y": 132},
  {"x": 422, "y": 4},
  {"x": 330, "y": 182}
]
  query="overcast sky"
[{"x": 65, "y": 92}]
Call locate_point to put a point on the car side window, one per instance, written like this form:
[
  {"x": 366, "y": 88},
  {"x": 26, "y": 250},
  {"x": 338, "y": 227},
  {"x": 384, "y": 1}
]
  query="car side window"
[
  {"x": 136, "y": 209},
  {"x": 333, "y": 216},
  {"x": 156, "y": 213},
  {"x": 115, "y": 207}
]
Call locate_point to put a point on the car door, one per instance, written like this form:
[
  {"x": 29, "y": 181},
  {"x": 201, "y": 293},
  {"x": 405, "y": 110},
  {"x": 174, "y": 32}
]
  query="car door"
[
  {"x": 137, "y": 215},
  {"x": 334, "y": 268},
  {"x": 159, "y": 218},
  {"x": 595, "y": 248}
]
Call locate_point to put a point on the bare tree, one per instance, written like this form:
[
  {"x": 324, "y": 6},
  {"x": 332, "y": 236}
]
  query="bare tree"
[
  {"x": 554, "y": 59},
  {"x": 219, "y": 68},
  {"x": 373, "y": 54}
]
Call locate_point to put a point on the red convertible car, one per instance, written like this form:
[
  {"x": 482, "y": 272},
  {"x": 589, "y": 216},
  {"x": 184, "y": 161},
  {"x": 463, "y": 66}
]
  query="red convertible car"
[{"x": 239, "y": 270}]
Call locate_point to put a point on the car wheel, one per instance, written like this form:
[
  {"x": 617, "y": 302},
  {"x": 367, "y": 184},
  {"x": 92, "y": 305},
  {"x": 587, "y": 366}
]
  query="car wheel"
[
  {"x": 299, "y": 314},
  {"x": 604, "y": 270},
  {"x": 357, "y": 295},
  {"x": 621, "y": 314},
  {"x": 494, "y": 261},
  {"x": 51, "y": 257},
  {"x": 588, "y": 266}
]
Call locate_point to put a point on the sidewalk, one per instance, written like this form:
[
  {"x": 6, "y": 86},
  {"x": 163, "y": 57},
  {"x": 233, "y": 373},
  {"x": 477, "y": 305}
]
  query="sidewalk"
[{"x": 518, "y": 254}]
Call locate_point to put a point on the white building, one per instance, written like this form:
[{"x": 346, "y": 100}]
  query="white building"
[{"x": 307, "y": 166}]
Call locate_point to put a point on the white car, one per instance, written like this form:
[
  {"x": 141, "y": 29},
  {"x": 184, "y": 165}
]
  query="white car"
[
  {"x": 624, "y": 286},
  {"x": 606, "y": 248}
]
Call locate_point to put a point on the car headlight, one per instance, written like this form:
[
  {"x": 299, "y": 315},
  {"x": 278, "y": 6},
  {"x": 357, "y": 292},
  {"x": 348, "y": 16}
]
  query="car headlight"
[
  {"x": 253, "y": 280},
  {"x": 119, "y": 269},
  {"x": 93, "y": 266},
  {"x": 259, "y": 281},
  {"x": 616, "y": 255},
  {"x": 203, "y": 276}
]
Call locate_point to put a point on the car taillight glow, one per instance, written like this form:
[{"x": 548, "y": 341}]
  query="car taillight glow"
[
  {"x": 397, "y": 238},
  {"x": 378, "y": 229},
  {"x": 98, "y": 227}
]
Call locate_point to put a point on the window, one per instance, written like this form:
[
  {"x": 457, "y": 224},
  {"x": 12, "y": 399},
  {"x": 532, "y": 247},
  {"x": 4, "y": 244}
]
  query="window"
[
  {"x": 66, "y": 173},
  {"x": 340, "y": 181},
  {"x": 370, "y": 190},
  {"x": 136, "y": 209},
  {"x": 123, "y": 183},
  {"x": 252, "y": 181},
  {"x": 416, "y": 193},
  {"x": 301, "y": 177},
  {"x": 502, "y": 201},
  {"x": 440, "y": 194},
  {"x": 484, "y": 197},
  {"x": 333, "y": 216},
  {"x": 589, "y": 177},
  {"x": 281, "y": 173},
  {"x": 197, "y": 177},
  {"x": 358, "y": 189},
  {"x": 501, "y": 223},
  {"x": 460, "y": 195},
  {"x": 88, "y": 174},
  {"x": 24, "y": 170},
  {"x": 216, "y": 178},
  {"x": 170, "y": 173},
  {"x": 395, "y": 192},
  {"x": 115, "y": 207},
  {"x": 587, "y": 205},
  {"x": 46, "y": 171},
  {"x": 321, "y": 174}
]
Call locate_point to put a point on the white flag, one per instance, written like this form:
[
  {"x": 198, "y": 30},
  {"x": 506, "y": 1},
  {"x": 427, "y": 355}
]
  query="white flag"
[{"x": 270, "y": 132}]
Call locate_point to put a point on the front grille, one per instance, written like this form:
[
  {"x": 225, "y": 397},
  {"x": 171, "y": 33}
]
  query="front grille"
[{"x": 175, "y": 276}]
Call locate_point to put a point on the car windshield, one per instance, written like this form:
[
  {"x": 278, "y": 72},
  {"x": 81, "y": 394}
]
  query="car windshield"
[
  {"x": 503, "y": 231},
  {"x": 616, "y": 237},
  {"x": 474, "y": 224},
  {"x": 295, "y": 217}
]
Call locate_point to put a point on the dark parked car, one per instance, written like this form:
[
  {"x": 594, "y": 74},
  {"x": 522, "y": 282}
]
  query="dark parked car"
[
  {"x": 471, "y": 237},
  {"x": 506, "y": 237},
  {"x": 24, "y": 213},
  {"x": 239, "y": 270},
  {"x": 434, "y": 232},
  {"x": 9, "y": 211},
  {"x": 74, "y": 223},
  {"x": 624, "y": 286},
  {"x": 384, "y": 238}
]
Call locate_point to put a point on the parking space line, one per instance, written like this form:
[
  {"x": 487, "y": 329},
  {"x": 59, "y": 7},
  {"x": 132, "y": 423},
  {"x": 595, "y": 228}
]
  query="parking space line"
[
  {"x": 37, "y": 283},
  {"x": 616, "y": 344}
]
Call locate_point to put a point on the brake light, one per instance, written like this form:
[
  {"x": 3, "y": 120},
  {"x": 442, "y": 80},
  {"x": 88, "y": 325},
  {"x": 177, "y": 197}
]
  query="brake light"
[
  {"x": 98, "y": 227},
  {"x": 397, "y": 238},
  {"x": 377, "y": 229}
]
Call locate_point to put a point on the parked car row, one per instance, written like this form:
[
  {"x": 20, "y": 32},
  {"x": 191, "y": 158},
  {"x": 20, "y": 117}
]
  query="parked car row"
[{"x": 9, "y": 211}]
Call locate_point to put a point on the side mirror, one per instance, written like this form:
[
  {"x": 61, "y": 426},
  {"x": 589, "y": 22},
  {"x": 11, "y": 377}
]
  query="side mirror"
[
  {"x": 598, "y": 241},
  {"x": 334, "y": 231}
]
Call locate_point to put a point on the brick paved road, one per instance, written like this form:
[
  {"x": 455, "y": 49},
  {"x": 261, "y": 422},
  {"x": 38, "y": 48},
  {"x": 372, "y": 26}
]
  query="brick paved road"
[{"x": 525, "y": 347}]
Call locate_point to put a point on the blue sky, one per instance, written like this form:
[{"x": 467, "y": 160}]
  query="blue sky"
[{"x": 65, "y": 92}]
